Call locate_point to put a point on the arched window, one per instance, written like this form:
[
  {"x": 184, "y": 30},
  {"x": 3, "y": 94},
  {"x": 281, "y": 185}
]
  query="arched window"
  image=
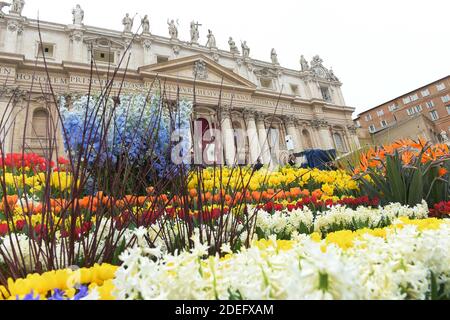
[
  {"x": 307, "y": 142},
  {"x": 203, "y": 127},
  {"x": 40, "y": 123},
  {"x": 339, "y": 142}
]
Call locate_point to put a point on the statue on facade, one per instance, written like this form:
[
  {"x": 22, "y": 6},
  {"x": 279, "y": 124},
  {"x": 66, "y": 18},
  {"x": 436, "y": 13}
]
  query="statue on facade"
[
  {"x": 211, "y": 40},
  {"x": 127, "y": 23},
  {"x": 3, "y": 4},
  {"x": 274, "y": 57},
  {"x": 332, "y": 76},
  {"x": 233, "y": 46},
  {"x": 173, "y": 30},
  {"x": 78, "y": 15},
  {"x": 195, "y": 33},
  {"x": 145, "y": 24},
  {"x": 245, "y": 49},
  {"x": 17, "y": 6},
  {"x": 304, "y": 63},
  {"x": 316, "y": 61}
]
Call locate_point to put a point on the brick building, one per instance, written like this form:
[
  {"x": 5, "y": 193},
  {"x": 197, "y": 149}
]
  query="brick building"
[{"x": 432, "y": 101}]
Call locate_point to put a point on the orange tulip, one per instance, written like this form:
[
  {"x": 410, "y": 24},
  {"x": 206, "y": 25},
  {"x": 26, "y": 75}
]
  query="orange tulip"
[
  {"x": 256, "y": 195},
  {"x": 193, "y": 193},
  {"x": 208, "y": 196},
  {"x": 295, "y": 192},
  {"x": 306, "y": 193},
  {"x": 317, "y": 193}
]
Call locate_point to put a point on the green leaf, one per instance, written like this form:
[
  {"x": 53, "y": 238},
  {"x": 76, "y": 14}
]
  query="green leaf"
[
  {"x": 394, "y": 176},
  {"x": 415, "y": 194}
]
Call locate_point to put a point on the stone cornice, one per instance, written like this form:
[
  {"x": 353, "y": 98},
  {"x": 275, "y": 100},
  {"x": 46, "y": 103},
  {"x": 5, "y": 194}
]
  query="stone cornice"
[
  {"x": 69, "y": 67},
  {"x": 98, "y": 31}
]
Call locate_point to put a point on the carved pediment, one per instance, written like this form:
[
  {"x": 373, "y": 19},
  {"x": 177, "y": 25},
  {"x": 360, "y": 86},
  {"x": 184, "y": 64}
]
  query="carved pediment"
[
  {"x": 199, "y": 68},
  {"x": 266, "y": 72},
  {"x": 102, "y": 42}
]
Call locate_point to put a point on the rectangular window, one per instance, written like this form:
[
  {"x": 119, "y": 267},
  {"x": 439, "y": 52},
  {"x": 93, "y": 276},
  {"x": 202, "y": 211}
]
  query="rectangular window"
[
  {"x": 440, "y": 86},
  {"x": 161, "y": 59},
  {"x": 326, "y": 94},
  {"x": 104, "y": 56},
  {"x": 358, "y": 124},
  {"x": 47, "y": 49},
  {"x": 393, "y": 107},
  {"x": 434, "y": 115},
  {"x": 446, "y": 99},
  {"x": 380, "y": 113},
  {"x": 411, "y": 98},
  {"x": 430, "y": 104},
  {"x": 414, "y": 110},
  {"x": 414, "y": 97},
  {"x": 372, "y": 128},
  {"x": 383, "y": 123},
  {"x": 368, "y": 117},
  {"x": 266, "y": 83},
  {"x": 425, "y": 93},
  {"x": 448, "y": 109},
  {"x": 294, "y": 89}
]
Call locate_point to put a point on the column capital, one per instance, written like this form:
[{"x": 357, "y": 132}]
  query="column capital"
[
  {"x": 147, "y": 44},
  {"x": 249, "y": 115},
  {"x": 261, "y": 117},
  {"x": 319, "y": 123},
  {"x": 301, "y": 122},
  {"x": 352, "y": 129},
  {"x": 225, "y": 112},
  {"x": 14, "y": 25},
  {"x": 289, "y": 121},
  {"x": 76, "y": 36}
]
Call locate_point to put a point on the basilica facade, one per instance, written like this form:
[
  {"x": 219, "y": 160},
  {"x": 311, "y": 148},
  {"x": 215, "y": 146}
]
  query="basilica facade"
[{"x": 306, "y": 106}]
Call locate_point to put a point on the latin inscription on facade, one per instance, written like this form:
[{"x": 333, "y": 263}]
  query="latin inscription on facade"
[{"x": 65, "y": 83}]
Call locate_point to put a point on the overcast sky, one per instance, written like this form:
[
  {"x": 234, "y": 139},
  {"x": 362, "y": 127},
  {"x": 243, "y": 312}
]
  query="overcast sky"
[{"x": 379, "y": 49}]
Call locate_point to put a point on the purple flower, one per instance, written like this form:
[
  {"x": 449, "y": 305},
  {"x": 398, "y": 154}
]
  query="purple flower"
[{"x": 29, "y": 297}]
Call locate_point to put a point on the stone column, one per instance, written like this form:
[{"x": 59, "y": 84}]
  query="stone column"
[
  {"x": 228, "y": 136},
  {"x": 263, "y": 138},
  {"x": 13, "y": 28},
  {"x": 252, "y": 134},
  {"x": 292, "y": 131},
  {"x": 322, "y": 127},
  {"x": 76, "y": 40},
  {"x": 353, "y": 137}
]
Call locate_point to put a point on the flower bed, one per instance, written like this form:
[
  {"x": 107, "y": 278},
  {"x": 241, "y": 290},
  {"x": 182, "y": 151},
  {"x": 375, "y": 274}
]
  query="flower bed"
[
  {"x": 408, "y": 260},
  {"x": 228, "y": 233}
]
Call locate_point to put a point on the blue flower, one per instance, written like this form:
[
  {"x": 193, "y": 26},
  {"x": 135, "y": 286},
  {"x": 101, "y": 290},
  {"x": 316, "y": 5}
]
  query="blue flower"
[
  {"x": 29, "y": 297},
  {"x": 139, "y": 128}
]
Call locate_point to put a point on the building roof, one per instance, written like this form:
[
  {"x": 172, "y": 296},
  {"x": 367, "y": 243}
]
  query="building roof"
[{"x": 405, "y": 94}]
